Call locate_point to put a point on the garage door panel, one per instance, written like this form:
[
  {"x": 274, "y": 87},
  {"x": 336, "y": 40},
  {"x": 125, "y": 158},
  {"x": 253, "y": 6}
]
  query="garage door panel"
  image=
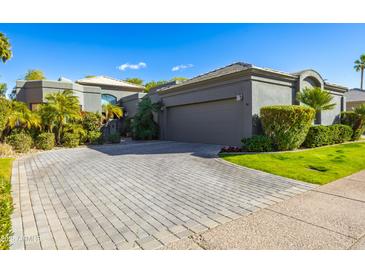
[{"x": 219, "y": 122}]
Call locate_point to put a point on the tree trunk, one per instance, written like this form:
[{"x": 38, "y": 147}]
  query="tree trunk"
[{"x": 362, "y": 79}]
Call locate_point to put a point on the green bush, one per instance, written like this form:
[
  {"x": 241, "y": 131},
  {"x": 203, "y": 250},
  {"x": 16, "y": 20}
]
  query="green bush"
[
  {"x": 114, "y": 138},
  {"x": 317, "y": 136},
  {"x": 287, "y": 126},
  {"x": 20, "y": 142},
  {"x": 327, "y": 135},
  {"x": 4, "y": 112},
  {"x": 143, "y": 126},
  {"x": 78, "y": 130},
  {"x": 350, "y": 118},
  {"x": 340, "y": 133},
  {"x": 95, "y": 137},
  {"x": 45, "y": 141},
  {"x": 70, "y": 139},
  {"x": 91, "y": 121},
  {"x": 257, "y": 143}
]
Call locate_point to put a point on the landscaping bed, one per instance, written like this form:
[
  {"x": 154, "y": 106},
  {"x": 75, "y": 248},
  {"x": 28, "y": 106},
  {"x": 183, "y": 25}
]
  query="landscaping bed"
[
  {"x": 6, "y": 205},
  {"x": 319, "y": 165}
]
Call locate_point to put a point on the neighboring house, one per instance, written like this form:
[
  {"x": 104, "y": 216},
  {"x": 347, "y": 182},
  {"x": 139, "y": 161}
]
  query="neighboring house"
[
  {"x": 222, "y": 106},
  {"x": 92, "y": 92},
  {"x": 354, "y": 98}
]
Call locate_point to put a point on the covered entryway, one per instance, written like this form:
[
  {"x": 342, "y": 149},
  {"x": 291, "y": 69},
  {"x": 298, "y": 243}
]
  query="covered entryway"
[{"x": 214, "y": 122}]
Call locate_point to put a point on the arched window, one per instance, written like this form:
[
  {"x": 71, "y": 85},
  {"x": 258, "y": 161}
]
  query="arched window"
[{"x": 108, "y": 99}]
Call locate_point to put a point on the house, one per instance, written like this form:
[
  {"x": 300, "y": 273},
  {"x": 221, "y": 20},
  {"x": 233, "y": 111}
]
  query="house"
[
  {"x": 92, "y": 92},
  {"x": 223, "y": 105},
  {"x": 354, "y": 98}
]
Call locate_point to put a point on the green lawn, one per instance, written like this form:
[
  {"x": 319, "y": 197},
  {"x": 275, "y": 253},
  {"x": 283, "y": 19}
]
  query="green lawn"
[
  {"x": 318, "y": 166},
  {"x": 6, "y": 205}
]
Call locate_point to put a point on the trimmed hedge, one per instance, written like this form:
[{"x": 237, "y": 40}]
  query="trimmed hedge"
[
  {"x": 71, "y": 139},
  {"x": 340, "y": 133},
  {"x": 20, "y": 142},
  {"x": 45, "y": 141},
  {"x": 287, "y": 126},
  {"x": 327, "y": 135},
  {"x": 257, "y": 143},
  {"x": 353, "y": 120}
]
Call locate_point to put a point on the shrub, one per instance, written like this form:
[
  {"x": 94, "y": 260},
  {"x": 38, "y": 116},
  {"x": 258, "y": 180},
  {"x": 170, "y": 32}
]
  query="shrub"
[
  {"x": 350, "y": 118},
  {"x": 94, "y": 137},
  {"x": 5, "y": 150},
  {"x": 78, "y": 130},
  {"x": 20, "y": 142},
  {"x": 45, "y": 141},
  {"x": 91, "y": 121},
  {"x": 257, "y": 143},
  {"x": 70, "y": 139},
  {"x": 114, "y": 138},
  {"x": 317, "y": 136},
  {"x": 327, "y": 135},
  {"x": 5, "y": 107},
  {"x": 230, "y": 149},
  {"x": 340, "y": 133},
  {"x": 143, "y": 126},
  {"x": 287, "y": 126}
]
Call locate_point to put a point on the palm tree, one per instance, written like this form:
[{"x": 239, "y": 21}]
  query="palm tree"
[
  {"x": 111, "y": 111},
  {"x": 5, "y": 48},
  {"x": 360, "y": 111},
  {"x": 360, "y": 66},
  {"x": 61, "y": 107},
  {"x": 21, "y": 116},
  {"x": 316, "y": 98}
]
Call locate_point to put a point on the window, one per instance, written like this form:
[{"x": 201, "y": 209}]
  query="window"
[{"x": 108, "y": 99}]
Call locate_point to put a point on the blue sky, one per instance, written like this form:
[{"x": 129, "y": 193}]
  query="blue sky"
[{"x": 76, "y": 50}]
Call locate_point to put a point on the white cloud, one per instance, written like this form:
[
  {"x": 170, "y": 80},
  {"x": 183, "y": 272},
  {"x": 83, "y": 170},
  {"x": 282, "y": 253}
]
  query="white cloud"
[
  {"x": 132, "y": 66},
  {"x": 179, "y": 67}
]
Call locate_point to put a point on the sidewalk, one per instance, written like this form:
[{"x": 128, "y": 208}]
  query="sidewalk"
[{"x": 328, "y": 217}]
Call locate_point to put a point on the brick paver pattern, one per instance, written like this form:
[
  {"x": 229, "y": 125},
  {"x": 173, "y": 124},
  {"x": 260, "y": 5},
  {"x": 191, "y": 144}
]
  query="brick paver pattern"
[{"x": 133, "y": 196}]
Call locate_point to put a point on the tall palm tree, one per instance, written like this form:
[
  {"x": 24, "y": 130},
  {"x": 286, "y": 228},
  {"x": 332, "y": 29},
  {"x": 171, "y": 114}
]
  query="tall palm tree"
[
  {"x": 21, "y": 116},
  {"x": 316, "y": 98},
  {"x": 360, "y": 66},
  {"x": 110, "y": 111},
  {"x": 61, "y": 107},
  {"x": 5, "y": 48}
]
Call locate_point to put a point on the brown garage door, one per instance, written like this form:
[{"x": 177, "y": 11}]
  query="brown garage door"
[{"x": 218, "y": 122}]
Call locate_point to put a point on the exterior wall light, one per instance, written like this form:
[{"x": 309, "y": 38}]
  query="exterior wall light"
[{"x": 239, "y": 97}]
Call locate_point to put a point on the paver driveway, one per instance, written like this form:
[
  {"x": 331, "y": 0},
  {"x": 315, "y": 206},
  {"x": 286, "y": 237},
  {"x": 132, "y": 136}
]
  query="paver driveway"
[{"x": 133, "y": 196}]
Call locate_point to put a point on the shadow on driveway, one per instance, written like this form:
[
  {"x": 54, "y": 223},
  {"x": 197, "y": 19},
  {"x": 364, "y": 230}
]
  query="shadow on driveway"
[{"x": 158, "y": 147}]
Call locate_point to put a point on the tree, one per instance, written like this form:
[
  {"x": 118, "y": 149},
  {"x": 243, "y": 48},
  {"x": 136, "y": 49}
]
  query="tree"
[
  {"x": 179, "y": 79},
  {"x": 34, "y": 74},
  {"x": 316, "y": 98},
  {"x": 153, "y": 84},
  {"x": 360, "y": 66},
  {"x": 137, "y": 81},
  {"x": 143, "y": 125},
  {"x": 21, "y": 116},
  {"x": 111, "y": 111},
  {"x": 3, "y": 89},
  {"x": 60, "y": 109},
  {"x": 90, "y": 76},
  {"x": 5, "y": 48}
]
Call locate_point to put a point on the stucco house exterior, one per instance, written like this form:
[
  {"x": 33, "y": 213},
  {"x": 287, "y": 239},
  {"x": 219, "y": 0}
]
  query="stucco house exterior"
[
  {"x": 354, "y": 98},
  {"x": 92, "y": 92},
  {"x": 222, "y": 106}
]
